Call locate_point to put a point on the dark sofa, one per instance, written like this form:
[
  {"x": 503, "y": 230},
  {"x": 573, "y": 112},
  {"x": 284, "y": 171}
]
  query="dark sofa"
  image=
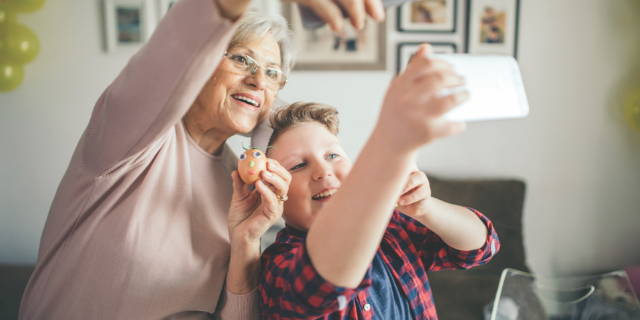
[
  {"x": 462, "y": 294},
  {"x": 457, "y": 294}
]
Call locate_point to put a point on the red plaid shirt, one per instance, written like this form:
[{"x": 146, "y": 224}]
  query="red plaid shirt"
[{"x": 291, "y": 288}]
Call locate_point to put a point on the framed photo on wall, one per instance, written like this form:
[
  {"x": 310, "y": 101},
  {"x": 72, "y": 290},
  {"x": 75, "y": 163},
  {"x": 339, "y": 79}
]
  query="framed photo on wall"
[
  {"x": 125, "y": 23},
  {"x": 406, "y": 50},
  {"x": 492, "y": 26},
  {"x": 432, "y": 16},
  {"x": 322, "y": 49}
]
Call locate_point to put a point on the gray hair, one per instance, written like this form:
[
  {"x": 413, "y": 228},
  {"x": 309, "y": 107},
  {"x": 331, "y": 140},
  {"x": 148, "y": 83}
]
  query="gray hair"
[{"x": 256, "y": 25}]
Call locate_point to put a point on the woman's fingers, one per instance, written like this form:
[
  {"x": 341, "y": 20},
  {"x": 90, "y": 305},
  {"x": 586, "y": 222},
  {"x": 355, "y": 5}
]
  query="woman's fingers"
[
  {"x": 331, "y": 11},
  {"x": 277, "y": 177},
  {"x": 328, "y": 11},
  {"x": 375, "y": 9},
  {"x": 239, "y": 187},
  {"x": 273, "y": 207},
  {"x": 355, "y": 11}
]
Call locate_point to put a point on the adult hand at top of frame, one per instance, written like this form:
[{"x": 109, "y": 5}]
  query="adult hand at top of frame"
[
  {"x": 357, "y": 10},
  {"x": 412, "y": 110}
]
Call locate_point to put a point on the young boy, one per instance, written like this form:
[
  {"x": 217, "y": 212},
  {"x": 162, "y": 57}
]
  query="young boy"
[{"x": 342, "y": 257}]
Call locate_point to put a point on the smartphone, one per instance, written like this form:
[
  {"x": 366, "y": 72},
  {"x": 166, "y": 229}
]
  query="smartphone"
[
  {"x": 311, "y": 21},
  {"x": 495, "y": 87}
]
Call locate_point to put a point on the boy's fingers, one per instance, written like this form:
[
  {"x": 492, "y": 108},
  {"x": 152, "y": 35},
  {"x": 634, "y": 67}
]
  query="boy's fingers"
[
  {"x": 430, "y": 84},
  {"x": 419, "y": 193},
  {"x": 416, "y": 178}
]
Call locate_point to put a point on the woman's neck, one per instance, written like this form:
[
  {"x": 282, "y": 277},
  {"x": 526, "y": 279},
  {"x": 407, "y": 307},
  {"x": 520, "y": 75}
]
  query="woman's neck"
[{"x": 210, "y": 140}]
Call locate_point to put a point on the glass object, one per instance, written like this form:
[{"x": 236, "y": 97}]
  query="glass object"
[
  {"x": 275, "y": 78},
  {"x": 525, "y": 296}
]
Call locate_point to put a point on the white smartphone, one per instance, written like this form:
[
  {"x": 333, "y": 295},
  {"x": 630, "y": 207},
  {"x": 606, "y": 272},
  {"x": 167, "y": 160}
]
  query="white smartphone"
[{"x": 495, "y": 86}]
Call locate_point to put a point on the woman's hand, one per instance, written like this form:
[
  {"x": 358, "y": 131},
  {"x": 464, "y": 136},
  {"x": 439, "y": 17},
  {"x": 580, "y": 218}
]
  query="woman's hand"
[
  {"x": 416, "y": 196},
  {"x": 412, "y": 111},
  {"x": 357, "y": 10},
  {"x": 252, "y": 213}
]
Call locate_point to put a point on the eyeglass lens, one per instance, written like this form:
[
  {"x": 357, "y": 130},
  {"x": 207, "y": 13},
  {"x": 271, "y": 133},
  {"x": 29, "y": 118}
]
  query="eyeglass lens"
[{"x": 244, "y": 62}]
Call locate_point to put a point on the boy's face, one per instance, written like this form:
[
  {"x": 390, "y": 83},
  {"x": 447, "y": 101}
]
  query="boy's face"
[{"x": 318, "y": 165}]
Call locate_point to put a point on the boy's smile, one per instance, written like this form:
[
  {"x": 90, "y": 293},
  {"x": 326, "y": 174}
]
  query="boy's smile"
[{"x": 318, "y": 164}]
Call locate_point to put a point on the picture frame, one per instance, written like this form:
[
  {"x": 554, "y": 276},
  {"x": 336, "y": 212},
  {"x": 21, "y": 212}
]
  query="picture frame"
[
  {"x": 321, "y": 49},
  {"x": 164, "y": 6},
  {"x": 429, "y": 16},
  {"x": 492, "y": 26},
  {"x": 126, "y": 23},
  {"x": 406, "y": 50}
]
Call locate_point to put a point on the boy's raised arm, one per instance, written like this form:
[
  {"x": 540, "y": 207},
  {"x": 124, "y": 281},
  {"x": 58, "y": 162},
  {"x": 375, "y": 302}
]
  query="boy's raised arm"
[{"x": 345, "y": 236}]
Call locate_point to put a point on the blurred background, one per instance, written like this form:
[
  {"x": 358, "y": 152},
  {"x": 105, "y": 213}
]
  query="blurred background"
[{"x": 580, "y": 60}]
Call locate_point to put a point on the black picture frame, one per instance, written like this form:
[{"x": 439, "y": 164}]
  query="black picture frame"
[
  {"x": 507, "y": 26},
  {"x": 405, "y": 49}
]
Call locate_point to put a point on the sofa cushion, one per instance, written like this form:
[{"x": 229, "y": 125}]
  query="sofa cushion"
[
  {"x": 461, "y": 294},
  {"x": 13, "y": 281}
]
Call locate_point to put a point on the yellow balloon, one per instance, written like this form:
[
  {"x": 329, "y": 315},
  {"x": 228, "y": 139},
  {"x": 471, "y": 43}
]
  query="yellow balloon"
[
  {"x": 11, "y": 75},
  {"x": 632, "y": 110},
  {"x": 18, "y": 43},
  {"x": 25, "y": 5},
  {"x": 6, "y": 14}
]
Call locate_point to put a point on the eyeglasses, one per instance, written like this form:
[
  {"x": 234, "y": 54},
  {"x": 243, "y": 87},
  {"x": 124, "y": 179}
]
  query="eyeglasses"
[{"x": 276, "y": 79}]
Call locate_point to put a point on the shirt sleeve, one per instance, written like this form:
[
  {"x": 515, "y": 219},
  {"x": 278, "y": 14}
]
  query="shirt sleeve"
[
  {"x": 233, "y": 306},
  {"x": 436, "y": 254},
  {"x": 291, "y": 288},
  {"x": 158, "y": 85}
]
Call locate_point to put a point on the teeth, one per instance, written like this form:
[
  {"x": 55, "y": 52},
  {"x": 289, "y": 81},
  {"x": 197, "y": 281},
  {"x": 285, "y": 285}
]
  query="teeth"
[
  {"x": 245, "y": 99},
  {"x": 325, "y": 194}
]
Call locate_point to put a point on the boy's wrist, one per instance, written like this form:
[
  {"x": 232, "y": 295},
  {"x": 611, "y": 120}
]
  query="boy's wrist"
[{"x": 428, "y": 211}]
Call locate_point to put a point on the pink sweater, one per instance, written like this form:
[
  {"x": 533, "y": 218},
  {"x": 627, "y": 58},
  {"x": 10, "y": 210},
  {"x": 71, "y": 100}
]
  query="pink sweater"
[{"x": 137, "y": 229}]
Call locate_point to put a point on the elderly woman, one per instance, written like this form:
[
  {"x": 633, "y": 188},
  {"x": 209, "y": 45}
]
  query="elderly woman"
[{"x": 143, "y": 225}]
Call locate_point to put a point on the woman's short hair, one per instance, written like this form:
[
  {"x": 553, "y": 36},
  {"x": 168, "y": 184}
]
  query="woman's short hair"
[
  {"x": 256, "y": 25},
  {"x": 300, "y": 112}
]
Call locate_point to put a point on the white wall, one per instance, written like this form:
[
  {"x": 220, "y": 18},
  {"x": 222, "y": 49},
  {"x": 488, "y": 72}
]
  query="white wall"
[{"x": 580, "y": 161}]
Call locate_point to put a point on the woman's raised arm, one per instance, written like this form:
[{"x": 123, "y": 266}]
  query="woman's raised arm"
[{"x": 158, "y": 85}]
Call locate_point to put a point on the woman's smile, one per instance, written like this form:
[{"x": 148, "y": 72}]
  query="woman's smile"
[{"x": 247, "y": 100}]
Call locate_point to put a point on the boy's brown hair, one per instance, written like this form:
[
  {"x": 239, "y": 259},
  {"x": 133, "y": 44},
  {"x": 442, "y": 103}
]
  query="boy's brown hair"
[{"x": 300, "y": 112}]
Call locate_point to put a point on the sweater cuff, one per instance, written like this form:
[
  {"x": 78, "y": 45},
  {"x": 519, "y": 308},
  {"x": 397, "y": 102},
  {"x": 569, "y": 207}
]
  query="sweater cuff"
[{"x": 238, "y": 306}]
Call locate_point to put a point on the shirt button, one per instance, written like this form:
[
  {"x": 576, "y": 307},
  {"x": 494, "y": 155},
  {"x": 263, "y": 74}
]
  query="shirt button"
[{"x": 367, "y": 307}]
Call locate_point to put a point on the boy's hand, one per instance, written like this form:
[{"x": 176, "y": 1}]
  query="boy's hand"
[
  {"x": 416, "y": 195},
  {"x": 412, "y": 111},
  {"x": 252, "y": 213}
]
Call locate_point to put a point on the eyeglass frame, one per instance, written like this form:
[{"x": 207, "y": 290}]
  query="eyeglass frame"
[{"x": 253, "y": 72}]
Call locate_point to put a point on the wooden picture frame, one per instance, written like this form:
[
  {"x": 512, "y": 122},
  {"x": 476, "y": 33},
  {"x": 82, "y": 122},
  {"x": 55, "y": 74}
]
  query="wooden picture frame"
[
  {"x": 321, "y": 49},
  {"x": 429, "y": 16}
]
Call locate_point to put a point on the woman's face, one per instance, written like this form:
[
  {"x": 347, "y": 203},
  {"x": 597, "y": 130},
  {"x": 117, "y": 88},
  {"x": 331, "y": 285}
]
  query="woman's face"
[
  {"x": 220, "y": 107},
  {"x": 318, "y": 165}
]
